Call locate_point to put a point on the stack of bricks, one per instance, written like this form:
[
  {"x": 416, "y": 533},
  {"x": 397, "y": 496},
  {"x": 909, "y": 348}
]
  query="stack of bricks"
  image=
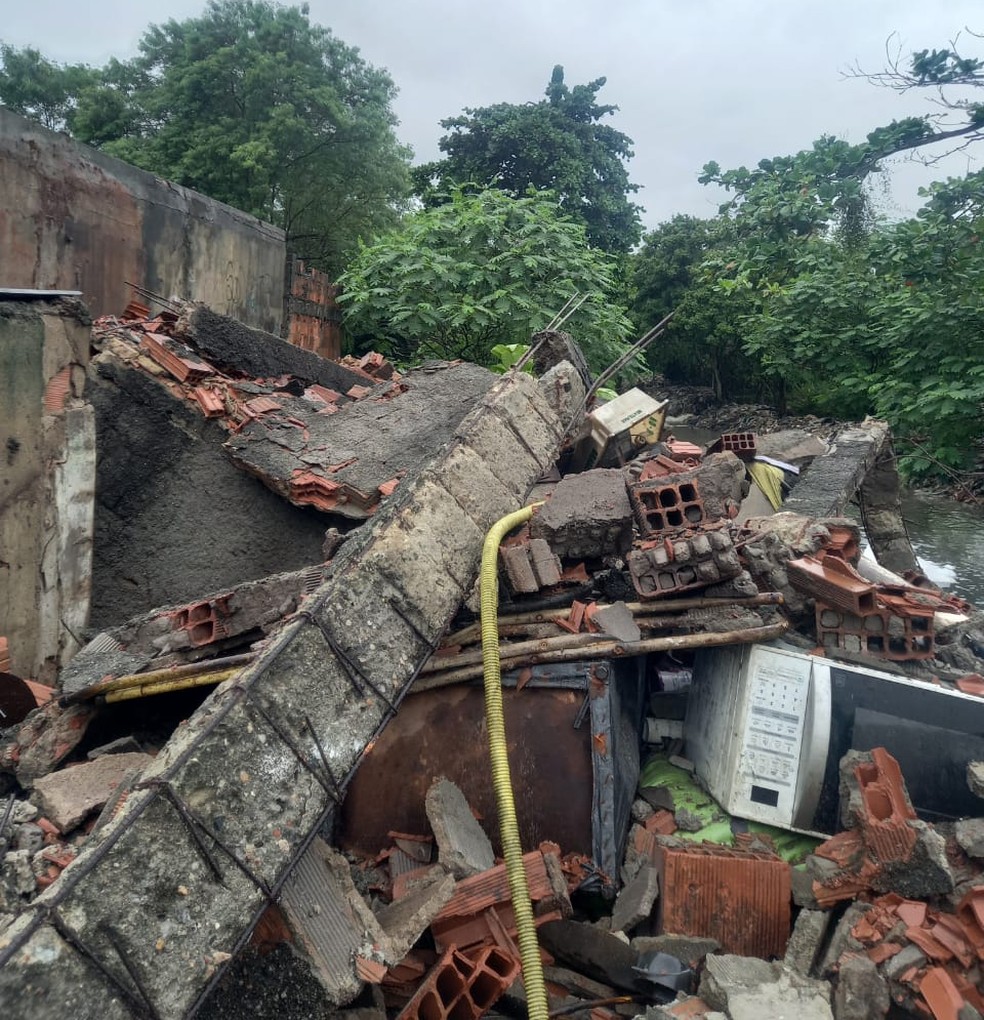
[
  {"x": 667, "y": 566},
  {"x": 853, "y": 615},
  {"x": 463, "y": 987}
]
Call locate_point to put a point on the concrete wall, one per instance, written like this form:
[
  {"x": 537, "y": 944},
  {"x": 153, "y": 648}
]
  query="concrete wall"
[
  {"x": 47, "y": 484},
  {"x": 72, "y": 218}
]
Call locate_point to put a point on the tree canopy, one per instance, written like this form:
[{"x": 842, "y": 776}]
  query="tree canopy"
[
  {"x": 480, "y": 270},
  {"x": 251, "y": 104},
  {"x": 558, "y": 144},
  {"x": 847, "y": 314}
]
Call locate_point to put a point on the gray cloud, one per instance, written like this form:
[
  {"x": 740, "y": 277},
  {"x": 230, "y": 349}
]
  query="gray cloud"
[{"x": 711, "y": 79}]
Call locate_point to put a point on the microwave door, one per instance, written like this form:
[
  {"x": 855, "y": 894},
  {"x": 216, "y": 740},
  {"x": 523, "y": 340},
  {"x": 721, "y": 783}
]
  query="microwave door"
[{"x": 814, "y": 749}]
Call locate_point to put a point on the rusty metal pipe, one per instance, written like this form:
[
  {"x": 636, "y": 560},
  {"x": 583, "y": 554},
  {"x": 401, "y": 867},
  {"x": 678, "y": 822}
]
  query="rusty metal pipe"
[
  {"x": 608, "y": 649},
  {"x": 157, "y": 676}
]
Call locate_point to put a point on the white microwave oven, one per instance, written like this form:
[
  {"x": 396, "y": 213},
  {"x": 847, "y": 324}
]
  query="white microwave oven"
[{"x": 766, "y": 728}]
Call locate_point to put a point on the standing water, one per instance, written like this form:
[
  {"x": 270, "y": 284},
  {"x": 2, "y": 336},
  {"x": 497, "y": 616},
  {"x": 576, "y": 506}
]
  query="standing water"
[{"x": 948, "y": 538}]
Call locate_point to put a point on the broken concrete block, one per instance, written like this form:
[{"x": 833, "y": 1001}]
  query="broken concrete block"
[
  {"x": 975, "y": 778},
  {"x": 690, "y": 949},
  {"x": 600, "y": 955},
  {"x": 970, "y": 836},
  {"x": 806, "y": 940},
  {"x": 635, "y": 901},
  {"x": 724, "y": 975},
  {"x": 910, "y": 956},
  {"x": 329, "y": 920},
  {"x": 462, "y": 846},
  {"x": 862, "y": 993},
  {"x": 564, "y": 387},
  {"x": 587, "y": 517},
  {"x": 843, "y": 939},
  {"x": 43, "y": 740},
  {"x": 750, "y": 989},
  {"x": 791, "y": 995},
  {"x": 69, "y": 796},
  {"x": 406, "y": 919}
]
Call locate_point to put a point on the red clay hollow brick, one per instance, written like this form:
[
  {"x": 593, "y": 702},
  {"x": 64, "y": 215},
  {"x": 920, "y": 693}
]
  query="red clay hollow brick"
[{"x": 461, "y": 987}]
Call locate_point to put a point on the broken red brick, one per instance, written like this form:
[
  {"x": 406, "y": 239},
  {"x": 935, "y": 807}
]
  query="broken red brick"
[
  {"x": 835, "y": 582},
  {"x": 662, "y": 822},
  {"x": 462, "y": 988},
  {"x": 925, "y": 940},
  {"x": 972, "y": 683},
  {"x": 57, "y": 391},
  {"x": 941, "y": 994}
]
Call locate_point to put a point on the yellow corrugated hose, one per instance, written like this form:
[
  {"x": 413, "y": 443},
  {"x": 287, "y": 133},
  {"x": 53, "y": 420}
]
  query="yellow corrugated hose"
[{"x": 512, "y": 849}]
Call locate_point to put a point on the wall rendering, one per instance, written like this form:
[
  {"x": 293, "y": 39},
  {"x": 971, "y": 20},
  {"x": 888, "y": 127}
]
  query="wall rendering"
[{"x": 72, "y": 218}]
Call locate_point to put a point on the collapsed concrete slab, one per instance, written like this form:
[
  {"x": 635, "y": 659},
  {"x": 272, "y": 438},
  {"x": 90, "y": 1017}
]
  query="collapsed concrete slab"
[
  {"x": 860, "y": 459},
  {"x": 228, "y": 343},
  {"x": 345, "y": 462},
  {"x": 165, "y": 484},
  {"x": 146, "y": 916}
]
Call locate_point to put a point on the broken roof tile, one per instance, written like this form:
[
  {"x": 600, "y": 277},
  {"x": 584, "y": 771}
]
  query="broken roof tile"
[{"x": 177, "y": 359}]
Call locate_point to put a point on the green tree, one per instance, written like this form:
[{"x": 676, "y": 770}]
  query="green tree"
[
  {"x": 558, "y": 144},
  {"x": 480, "y": 270},
  {"x": 254, "y": 105},
  {"x": 37, "y": 88},
  {"x": 703, "y": 344}
]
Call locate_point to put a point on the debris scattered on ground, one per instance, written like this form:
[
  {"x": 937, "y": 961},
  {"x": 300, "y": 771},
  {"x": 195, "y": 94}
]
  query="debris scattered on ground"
[{"x": 298, "y": 758}]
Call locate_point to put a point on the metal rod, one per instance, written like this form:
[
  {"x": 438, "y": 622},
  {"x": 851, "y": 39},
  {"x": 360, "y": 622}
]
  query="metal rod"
[{"x": 609, "y": 649}]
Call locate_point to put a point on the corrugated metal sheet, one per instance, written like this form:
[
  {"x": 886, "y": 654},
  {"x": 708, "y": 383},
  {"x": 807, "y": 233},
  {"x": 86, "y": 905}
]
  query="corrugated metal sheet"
[{"x": 740, "y": 898}]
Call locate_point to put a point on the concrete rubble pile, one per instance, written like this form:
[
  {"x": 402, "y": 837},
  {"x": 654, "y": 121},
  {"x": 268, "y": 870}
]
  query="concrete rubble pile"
[{"x": 268, "y": 753}]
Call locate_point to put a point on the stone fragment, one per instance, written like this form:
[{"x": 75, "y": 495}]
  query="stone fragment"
[
  {"x": 121, "y": 745},
  {"x": 750, "y": 989},
  {"x": 43, "y": 740},
  {"x": 970, "y": 836},
  {"x": 462, "y": 845},
  {"x": 69, "y": 796},
  {"x": 634, "y": 903},
  {"x": 806, "y": 940},
  {"x": 910, "y": 956},
  {"x": 641, "y": 810},
  {"x": 28, "y": 837},
  {"x": 843, "y": 940},
  {"x": 975, "y": 778},
  {"x": 690, "y": 949},
  {"x": 862, "y": 993}
]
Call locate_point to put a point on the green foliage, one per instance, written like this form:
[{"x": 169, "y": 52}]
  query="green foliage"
[
  {"x": 249, "y": 103},
  {"x": 35, "y": 87},
  {"x": 557, "y": 144},
  {"x": 482, "y": 270},
  {"x": 703, "y": 343},
  {"x": 507, "y": 355}
]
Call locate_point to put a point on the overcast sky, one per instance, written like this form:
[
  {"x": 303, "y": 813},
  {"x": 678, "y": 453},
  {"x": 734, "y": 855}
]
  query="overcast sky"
[{"x": 730, "y": 80}]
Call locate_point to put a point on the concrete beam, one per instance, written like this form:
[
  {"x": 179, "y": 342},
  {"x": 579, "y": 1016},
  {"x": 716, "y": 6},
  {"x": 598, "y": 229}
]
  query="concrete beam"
[
  {"x": 143, "y": 921},
  {"x": 861, "y": 459}
]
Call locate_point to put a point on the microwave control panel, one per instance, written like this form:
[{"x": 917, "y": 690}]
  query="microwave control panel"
[{"x": 771, "y": 734}]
